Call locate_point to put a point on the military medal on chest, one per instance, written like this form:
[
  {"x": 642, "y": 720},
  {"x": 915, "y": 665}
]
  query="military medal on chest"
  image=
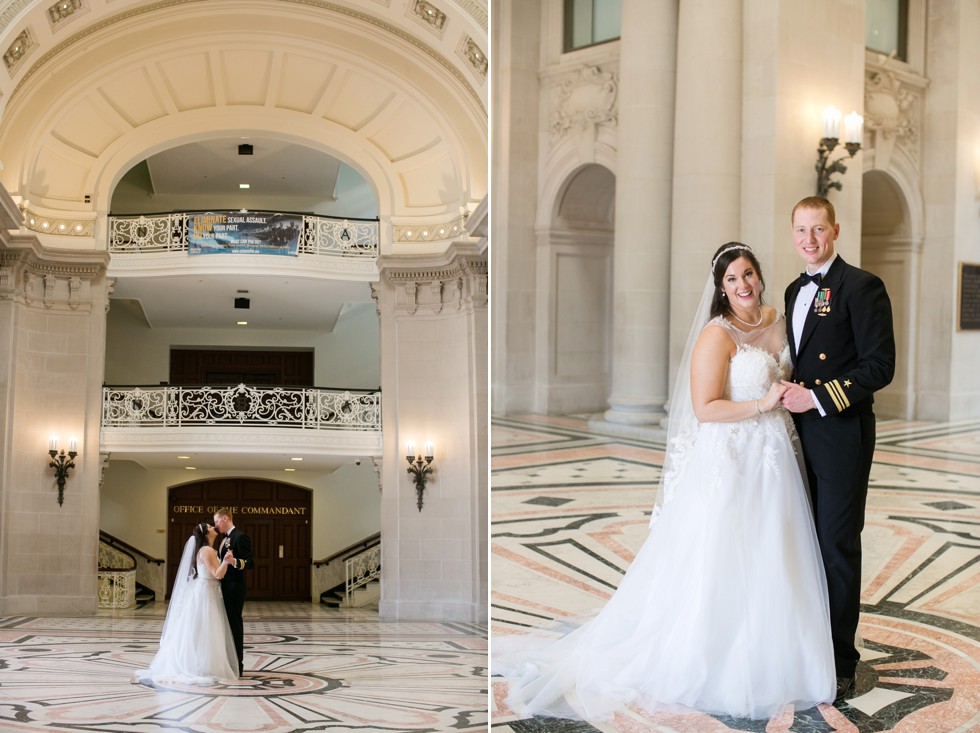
[{"x": 821, "y": 303}]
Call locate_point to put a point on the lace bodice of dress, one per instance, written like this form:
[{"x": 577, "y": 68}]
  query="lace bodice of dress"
[
  {"x": 762, "y": 357},
  {"x": 204, "y": 573}
]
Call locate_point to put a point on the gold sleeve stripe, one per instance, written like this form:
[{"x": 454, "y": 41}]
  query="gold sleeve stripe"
[{"x": 837, "y": 394}]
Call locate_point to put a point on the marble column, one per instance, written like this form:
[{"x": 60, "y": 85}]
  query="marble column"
[
  {"x": 643, "y": 191},
  {"x": 707, "y": 162}
]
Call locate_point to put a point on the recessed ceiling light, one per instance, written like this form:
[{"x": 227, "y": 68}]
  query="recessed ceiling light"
[
  {"x": 244, "y": 185},
  {"x": 190, "y": 468},
  {"x": 289, "y": 470},
  {"x": 241, "y": 323},
  {"x": 296, "y": 459},
  {"x": 183, "y": 458}
]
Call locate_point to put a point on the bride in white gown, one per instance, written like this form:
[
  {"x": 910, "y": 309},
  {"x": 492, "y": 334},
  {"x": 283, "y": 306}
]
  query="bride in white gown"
[
  {"x": 724, "y": 609},
  {"x": 196, "y": 645}
]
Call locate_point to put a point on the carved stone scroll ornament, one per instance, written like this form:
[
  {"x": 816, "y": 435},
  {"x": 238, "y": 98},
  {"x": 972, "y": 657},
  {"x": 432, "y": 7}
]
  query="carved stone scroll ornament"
[
  {"x": 892, "y": 112},
  {"x": 586, "y": 101}
]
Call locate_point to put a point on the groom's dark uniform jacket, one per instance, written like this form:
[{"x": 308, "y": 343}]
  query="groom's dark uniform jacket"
[
  {"x": 847, "y": 349},
  {"x": 845, "y": 354},
  {"x": 233, "y": 586}
]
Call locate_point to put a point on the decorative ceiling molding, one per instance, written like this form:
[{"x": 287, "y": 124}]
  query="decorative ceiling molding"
[
  {"x": 12, "y": 11},
  {"x": 429, "y": 14},
  {"x": 476, "y": 10},
  {"x": 58, "y": 226},
  {"x": 586, "y": 101},
  {"x": 433, "y": 232},
  {"x": 358, "y": 15}
]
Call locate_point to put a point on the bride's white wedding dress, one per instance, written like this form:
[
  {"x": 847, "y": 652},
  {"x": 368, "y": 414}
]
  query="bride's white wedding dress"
[
  {"x": 724, "y": 609},
  {"x": 196, "y": 646}
]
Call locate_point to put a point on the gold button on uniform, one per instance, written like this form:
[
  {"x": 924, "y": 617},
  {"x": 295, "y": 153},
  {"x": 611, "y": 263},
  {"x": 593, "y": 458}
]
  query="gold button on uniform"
[
  {"x": 819, "y": 382},
  {"x": 823, "y": 356}
]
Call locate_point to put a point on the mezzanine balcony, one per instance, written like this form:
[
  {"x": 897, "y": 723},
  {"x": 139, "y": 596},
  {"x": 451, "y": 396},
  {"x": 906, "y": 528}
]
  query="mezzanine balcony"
[
  {"x": 240, "y": 426},
  {"x": 316, "y": 235},
  {"x": 226, "y": 242}
]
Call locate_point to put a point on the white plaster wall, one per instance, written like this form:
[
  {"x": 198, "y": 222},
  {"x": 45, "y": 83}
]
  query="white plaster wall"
[
  {"x": 965, "y": 29},
  {"x": 799, "y": 58},
  {"x": 347, "y": 357},
  {"x": 354, "y": 199}
]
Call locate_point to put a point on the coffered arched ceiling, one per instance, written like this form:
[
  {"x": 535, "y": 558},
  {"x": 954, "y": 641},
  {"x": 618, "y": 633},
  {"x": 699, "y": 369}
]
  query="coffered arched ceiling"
[{"x": 372, "y": 82}]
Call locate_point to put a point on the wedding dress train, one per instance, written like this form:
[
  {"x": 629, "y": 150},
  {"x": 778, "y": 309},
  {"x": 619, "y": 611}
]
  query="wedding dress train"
[
  {"x": 724, "y": 609},
  {"x": 196, "y": 645}
]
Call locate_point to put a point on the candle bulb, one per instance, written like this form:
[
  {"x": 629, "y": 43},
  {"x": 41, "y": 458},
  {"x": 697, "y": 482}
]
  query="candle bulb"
[
  {"x": 428, "y": 449},
  {"x": 53, "y": 442},
  {"x": 831, "y": 122},
  {"x": 72, "y": 445},
  {"x": 411, "y": 448},
  {"x": 852, "y": 128}
]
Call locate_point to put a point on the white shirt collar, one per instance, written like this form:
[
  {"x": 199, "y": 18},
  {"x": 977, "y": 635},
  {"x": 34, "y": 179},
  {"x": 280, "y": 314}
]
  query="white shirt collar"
[{"x": 826, "y": 266}]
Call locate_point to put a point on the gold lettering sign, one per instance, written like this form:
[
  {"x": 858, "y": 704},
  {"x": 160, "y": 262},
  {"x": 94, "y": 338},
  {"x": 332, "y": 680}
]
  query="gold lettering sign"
[{"x": 235, "y": 510}]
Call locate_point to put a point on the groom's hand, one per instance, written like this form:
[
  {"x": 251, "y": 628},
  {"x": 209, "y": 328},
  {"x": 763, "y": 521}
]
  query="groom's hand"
[
  {"x": 796, "y": 398},
  {"x": 229, "y": 558}
]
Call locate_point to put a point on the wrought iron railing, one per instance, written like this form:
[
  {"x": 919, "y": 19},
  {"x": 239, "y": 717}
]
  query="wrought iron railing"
[
  {"x": 117, "y": 588},
  {"x": 117, "y": 577},
  {"x": 293, "y": 407},
  {"x": 361, "y": 569},
  {"x": 322, "y": 235}
]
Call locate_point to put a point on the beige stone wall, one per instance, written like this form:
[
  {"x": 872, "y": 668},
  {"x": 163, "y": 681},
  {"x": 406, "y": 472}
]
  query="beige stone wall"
[
  {"x": 433, "y": 349},
  {"x": 52, "y": 324}
]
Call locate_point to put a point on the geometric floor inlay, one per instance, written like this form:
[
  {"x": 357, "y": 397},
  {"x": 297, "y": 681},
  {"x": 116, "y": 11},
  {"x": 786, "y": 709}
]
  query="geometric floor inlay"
[
  {"x": 307, "y": 668},
  {"x": 570, "y": 509}
]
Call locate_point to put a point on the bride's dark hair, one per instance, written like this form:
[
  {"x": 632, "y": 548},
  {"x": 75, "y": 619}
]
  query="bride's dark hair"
[
  {"x": 200, "y": 535},
  {"x": 724, "y": 256}
]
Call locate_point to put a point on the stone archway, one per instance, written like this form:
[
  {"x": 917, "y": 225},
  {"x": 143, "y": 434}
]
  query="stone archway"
[
  {"x": 889, "y": 249},
  {"x": 574, "y": 295}
]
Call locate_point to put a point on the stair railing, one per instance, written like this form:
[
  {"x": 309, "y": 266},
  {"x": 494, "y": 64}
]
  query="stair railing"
[
  {"x": 117, "y": 577},
  {"x": 360, "y": 570}
]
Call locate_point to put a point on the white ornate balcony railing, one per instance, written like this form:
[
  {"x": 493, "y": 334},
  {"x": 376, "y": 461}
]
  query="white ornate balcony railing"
[
  {"x": 321, "y": 235},
  {"x": 361, "y": 570},
  {"x": 298, "y": 407}
]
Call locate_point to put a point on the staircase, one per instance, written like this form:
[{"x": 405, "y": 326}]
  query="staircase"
[
  {"x": 366, "y": 595},
  {"x": 144, "y": 595},
  {"x": 334, "y": 597}
]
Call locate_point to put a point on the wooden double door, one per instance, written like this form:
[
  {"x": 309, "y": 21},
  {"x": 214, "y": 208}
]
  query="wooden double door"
[{"x": 275, "y": 516}]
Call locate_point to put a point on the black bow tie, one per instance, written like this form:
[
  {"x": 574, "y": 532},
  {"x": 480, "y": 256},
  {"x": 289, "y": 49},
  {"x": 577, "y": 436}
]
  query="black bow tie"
[{"x": 815, "y": 279}]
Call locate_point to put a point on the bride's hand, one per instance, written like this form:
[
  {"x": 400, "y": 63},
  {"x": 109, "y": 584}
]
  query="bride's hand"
[{"x": 771, "y": 400}]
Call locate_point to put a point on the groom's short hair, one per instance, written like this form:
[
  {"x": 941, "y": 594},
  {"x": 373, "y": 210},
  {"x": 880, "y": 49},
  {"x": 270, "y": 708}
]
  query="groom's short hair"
[
  {"x": 816, "y": 202},
  {"x": 225, "y": 512}
]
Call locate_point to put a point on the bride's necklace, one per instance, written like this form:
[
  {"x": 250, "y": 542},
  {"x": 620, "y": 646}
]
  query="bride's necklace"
[{"x": 746, "y": 323}]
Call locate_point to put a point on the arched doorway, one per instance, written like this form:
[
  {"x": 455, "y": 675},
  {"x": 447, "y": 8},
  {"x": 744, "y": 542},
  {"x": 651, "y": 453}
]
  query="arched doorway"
[
  {"x": 574, "y": 295},
  {"x": 276, "y": 517},
  {"x": 891, "y": 251}
]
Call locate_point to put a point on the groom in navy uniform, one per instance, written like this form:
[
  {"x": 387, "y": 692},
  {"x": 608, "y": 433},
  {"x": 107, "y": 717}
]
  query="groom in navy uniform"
[
  {"x": 236, "y": 551},
  {"x": 839, "y": 323}
]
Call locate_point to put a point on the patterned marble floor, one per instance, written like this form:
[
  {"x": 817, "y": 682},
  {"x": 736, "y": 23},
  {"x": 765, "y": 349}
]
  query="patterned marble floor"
[
  {"x": 307, "y": 668},
  {"x": 570, "y": 509}
]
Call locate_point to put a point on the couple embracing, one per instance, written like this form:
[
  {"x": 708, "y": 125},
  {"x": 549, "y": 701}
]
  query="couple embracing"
[
  {"x": 203, "y": 636},
  {"x": 744, "y": 599}
]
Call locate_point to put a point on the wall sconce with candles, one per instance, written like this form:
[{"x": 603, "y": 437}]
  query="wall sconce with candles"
[
  {"x": 61, "y": 463},
  {"x": 831, "y": 135},
  {"x": 420, "y": 466}
]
